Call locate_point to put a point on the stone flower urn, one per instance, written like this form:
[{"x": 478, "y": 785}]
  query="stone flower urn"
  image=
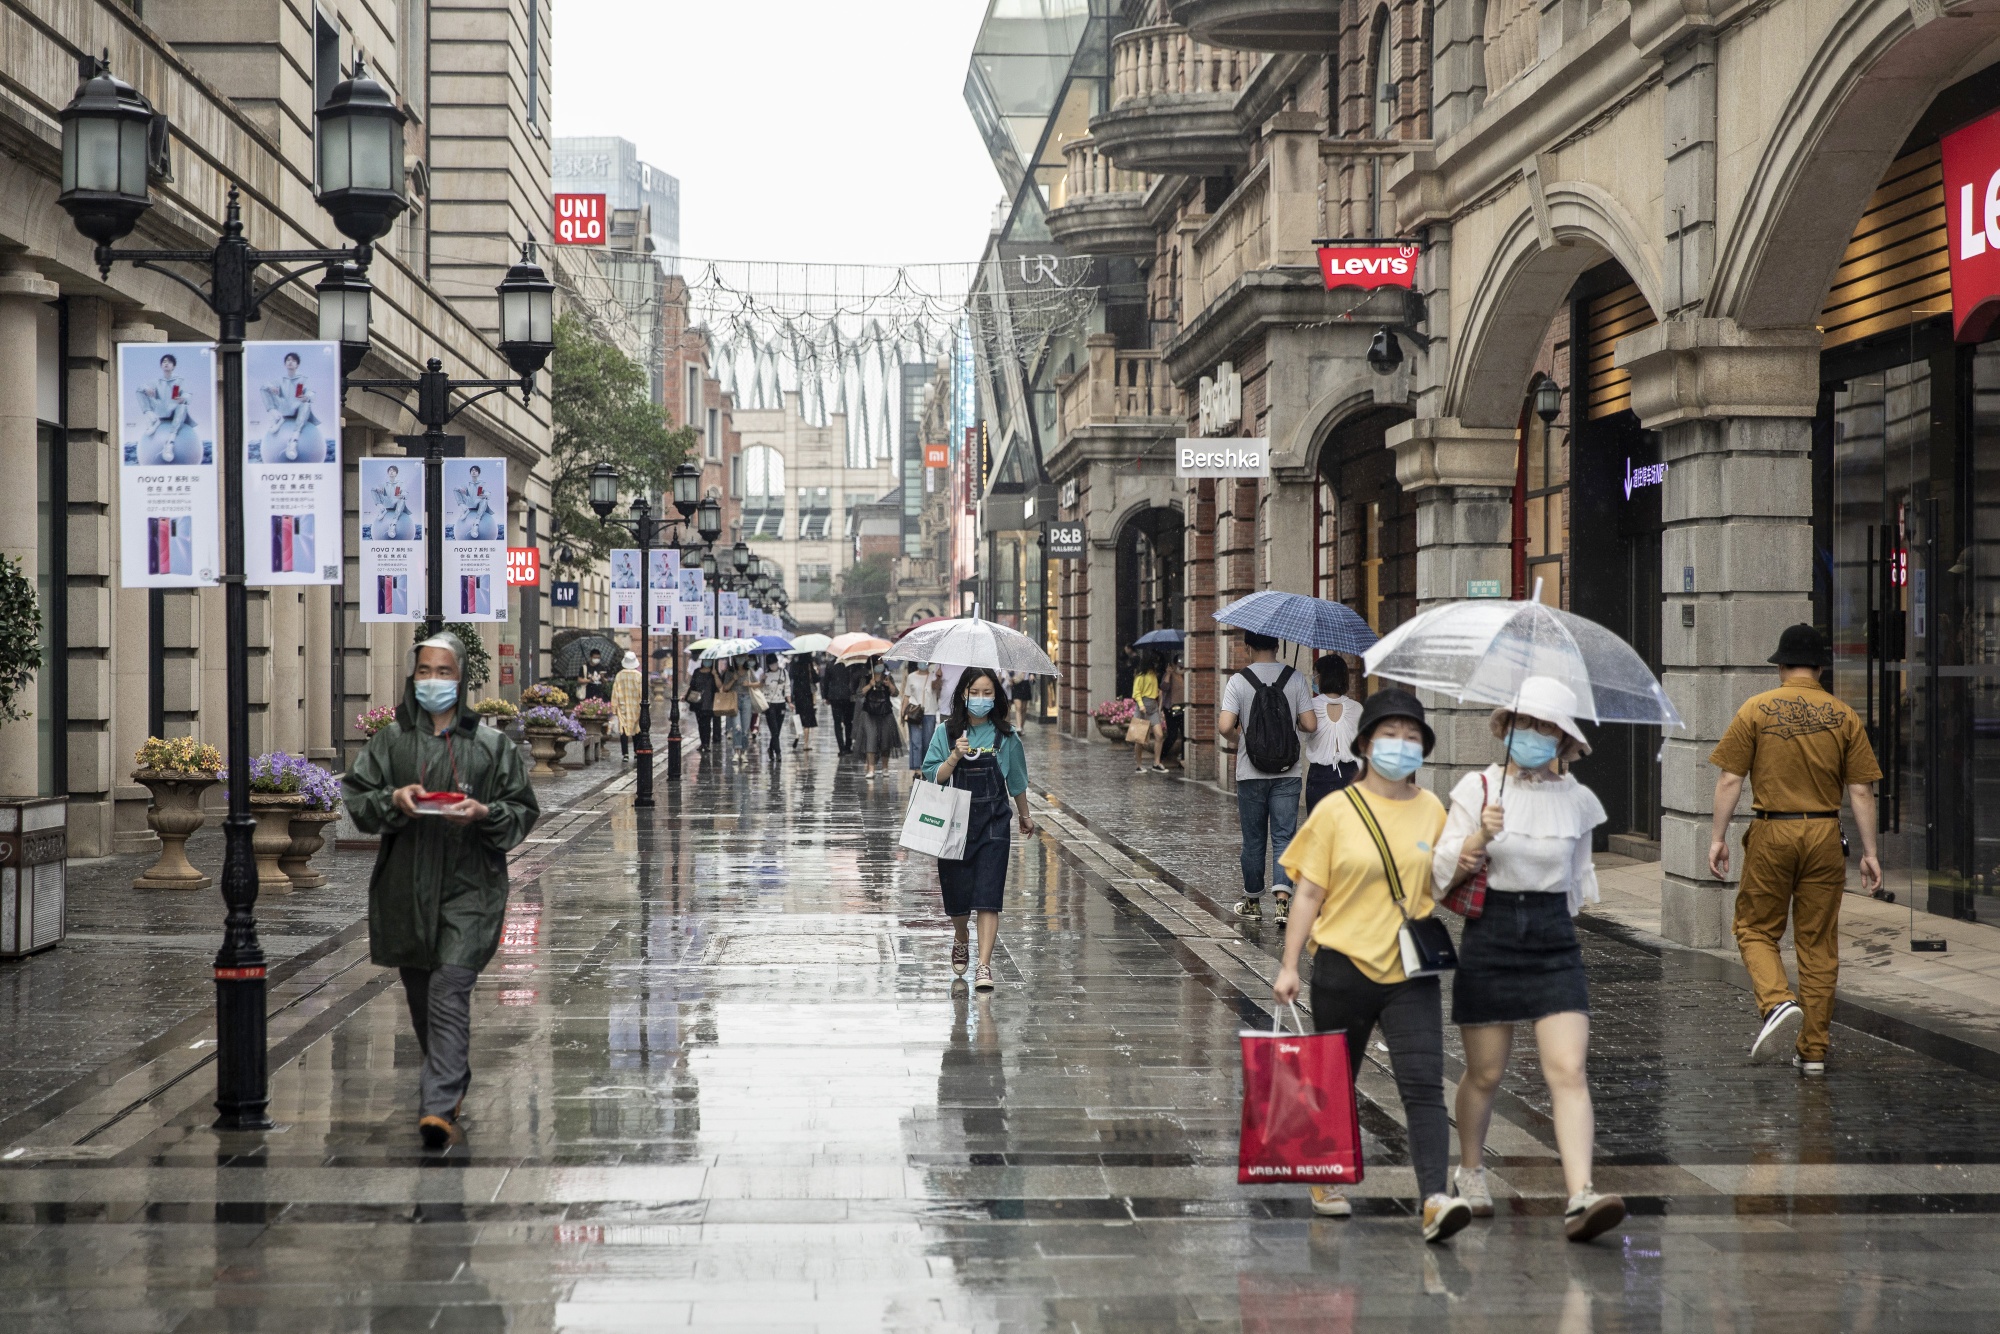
[
  {"x": 547, "y": 745},
  {"x": 593, "y": 738},
  {"x": 309, "y": 830},
  {"x": 273, "y": 837},
  {"x": 174, "y": 814},
  {"x": 1111, "y": 731}
]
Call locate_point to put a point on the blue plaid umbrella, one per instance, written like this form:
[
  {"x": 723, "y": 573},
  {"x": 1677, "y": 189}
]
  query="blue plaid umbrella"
[
  {"x": 1160, "y": 639},
  {"x": 1298, "y": 619}
]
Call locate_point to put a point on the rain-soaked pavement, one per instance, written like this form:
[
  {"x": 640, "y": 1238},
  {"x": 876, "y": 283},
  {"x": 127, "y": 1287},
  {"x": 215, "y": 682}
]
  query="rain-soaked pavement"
[{"x": 723, "y": 1078}]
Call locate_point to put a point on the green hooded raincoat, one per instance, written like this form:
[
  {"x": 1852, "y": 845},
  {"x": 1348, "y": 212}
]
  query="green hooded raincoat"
[{"x": 439, "y": 891}]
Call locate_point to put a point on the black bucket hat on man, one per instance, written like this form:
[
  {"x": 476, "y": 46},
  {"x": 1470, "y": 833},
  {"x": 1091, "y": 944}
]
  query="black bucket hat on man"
[
  {"x": 1802, "y": 645},
  {"x": 1392, "y": 703}
]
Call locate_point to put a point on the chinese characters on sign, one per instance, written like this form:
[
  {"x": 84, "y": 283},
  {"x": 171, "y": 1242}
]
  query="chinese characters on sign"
[
  {"x": 168, "y": 528},
  {"x": 291, "y": 456},
  {"x": 475, "y": 539},
  {"x": 392, "y": 540}
]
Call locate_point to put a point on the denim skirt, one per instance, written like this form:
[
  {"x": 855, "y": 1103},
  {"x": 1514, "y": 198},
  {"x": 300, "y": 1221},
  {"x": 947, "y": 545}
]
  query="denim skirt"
[{"x": 1518, "y": 961}]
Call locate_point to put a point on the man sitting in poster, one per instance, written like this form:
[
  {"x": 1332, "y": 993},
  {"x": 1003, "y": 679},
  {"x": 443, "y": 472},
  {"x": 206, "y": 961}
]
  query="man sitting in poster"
[
  {"x": 392, "y": 508},
  {"x": 475, "y": 507},
  {"x": 294, "y": 425},
  {"x": 172, "y": 431}
]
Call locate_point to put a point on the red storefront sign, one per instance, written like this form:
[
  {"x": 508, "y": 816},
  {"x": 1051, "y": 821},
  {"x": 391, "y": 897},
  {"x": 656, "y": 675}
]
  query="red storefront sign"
[
  {"x": 937, "y": 456},
  {"x": 524, "y": 566},
  {"x": 1368, "y": 265},
  {"x": 580, "y": 220},
  {"x": 1972, "y": 225}
]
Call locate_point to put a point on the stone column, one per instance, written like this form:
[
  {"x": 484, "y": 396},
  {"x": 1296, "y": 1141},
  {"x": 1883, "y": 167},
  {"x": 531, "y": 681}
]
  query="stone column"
[
  {"x": 126, "y": 637},
  {"x": 1201, "y": 659},
  {"x": 1734, "y": 409},
  {"x": 22, "y": 292},
  {"x": 1099, "y": 592},
  {"x": 1461, "y": 479}
]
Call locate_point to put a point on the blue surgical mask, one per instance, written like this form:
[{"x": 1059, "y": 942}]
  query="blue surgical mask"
[
  {"x": 1395, "y": 758},
  {"x": 979, "y": 705},
  {"x": 437, "y": 695},
  {"x": 1530, "y": 750}
]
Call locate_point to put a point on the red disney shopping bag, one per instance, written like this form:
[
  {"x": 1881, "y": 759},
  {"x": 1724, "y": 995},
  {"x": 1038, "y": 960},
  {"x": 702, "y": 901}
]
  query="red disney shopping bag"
[{"x": 1299, "y": 1119}]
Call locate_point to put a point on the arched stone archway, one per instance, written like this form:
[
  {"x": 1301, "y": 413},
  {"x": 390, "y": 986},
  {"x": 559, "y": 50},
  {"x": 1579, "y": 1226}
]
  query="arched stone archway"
[
  {"x": 1364, "y": 527},
  {"x": 1150, "y": 578}
]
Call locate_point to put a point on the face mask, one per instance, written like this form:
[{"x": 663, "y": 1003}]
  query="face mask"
[
  {"x": 979, "y": 705},
  {"x": 1530, "y": 750},
  {"x": 1394, "y": 758},
  {"x": 436, "y": 696}
]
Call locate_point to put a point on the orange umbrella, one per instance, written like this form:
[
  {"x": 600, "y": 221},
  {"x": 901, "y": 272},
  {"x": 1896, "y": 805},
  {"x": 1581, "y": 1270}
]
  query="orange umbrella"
[
  {"x": 842, "y": 643},
  {"x": 864, "y": 646}
]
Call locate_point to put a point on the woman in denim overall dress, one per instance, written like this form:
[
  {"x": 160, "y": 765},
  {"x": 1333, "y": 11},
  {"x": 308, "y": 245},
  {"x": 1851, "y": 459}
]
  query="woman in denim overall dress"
[{"x": 978, "y": 751}]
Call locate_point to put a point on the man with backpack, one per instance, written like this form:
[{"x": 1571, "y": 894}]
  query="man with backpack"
[{"x": 1264, "y": 708}]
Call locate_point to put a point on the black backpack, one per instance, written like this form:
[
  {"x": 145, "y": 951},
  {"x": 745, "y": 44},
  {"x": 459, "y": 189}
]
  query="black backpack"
[{"x": 1270, "y": 732}]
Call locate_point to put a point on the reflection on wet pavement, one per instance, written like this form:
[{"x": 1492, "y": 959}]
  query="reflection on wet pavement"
[{"x": 722, "y": 1076}]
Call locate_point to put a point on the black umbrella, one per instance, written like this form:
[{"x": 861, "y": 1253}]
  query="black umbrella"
[{"x": 568, "y": 658}]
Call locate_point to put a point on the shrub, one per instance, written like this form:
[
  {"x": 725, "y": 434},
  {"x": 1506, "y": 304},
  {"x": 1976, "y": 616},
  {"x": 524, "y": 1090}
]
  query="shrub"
[
  {"x": 278, "y": 773},
  {"x": 554, "y": 719},
  {"x": 541, "y": 694},
  {"x": 496, "y": 708},
  {"x": 20, "y": 638},
  {"x": 1117, "y": 712},
  {"x": 178, "y": 755},
  {"x": 373, "y": 721},
  {"x": 592, "y": 708}
]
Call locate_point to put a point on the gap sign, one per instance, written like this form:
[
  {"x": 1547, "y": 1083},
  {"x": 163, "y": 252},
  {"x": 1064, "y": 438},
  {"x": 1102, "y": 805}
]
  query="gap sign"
[
  {"x": 580, "y": 220},
  {"x": 1368, "y": 266}
]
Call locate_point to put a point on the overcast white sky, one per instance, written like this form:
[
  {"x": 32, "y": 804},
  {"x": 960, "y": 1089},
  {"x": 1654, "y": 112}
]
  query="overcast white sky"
[{"x": 827, "y": 130}]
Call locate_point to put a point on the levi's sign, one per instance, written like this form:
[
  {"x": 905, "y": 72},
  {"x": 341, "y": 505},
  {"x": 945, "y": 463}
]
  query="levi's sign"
[
  {"x": 1368, "y": 265},
  {"x": 1232, "y": 457},
  {"x": 1972, "y": 226}
]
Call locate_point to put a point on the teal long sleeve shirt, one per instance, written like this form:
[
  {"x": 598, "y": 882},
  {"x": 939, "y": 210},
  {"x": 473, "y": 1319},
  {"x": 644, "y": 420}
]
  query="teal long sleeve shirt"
[{"x": 1013, "y": 760}]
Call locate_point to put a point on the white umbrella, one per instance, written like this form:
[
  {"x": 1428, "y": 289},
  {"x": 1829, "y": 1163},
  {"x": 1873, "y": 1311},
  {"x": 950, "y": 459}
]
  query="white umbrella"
[
  {"x": 1482, "y": 649},
  {"x": 811, "y": 643},
  {"x": 968, "y": 641},
  {"x": 731, "y": 648}
]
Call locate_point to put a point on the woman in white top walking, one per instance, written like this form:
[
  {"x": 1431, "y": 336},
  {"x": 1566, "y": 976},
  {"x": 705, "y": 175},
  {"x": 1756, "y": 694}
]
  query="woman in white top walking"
[
  {"x": 1330, "y": 761},
  {"x": 1528, "y": 827}
]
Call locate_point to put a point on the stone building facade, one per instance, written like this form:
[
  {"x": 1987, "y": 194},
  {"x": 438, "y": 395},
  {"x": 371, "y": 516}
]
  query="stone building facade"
[{"x": 123, "y": 663}]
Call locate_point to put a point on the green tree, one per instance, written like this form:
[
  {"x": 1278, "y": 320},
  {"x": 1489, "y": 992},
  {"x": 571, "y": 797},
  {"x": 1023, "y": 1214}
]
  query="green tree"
[
  {"x": 603, "y": 414},
  {"x": 20, "y": 638}
]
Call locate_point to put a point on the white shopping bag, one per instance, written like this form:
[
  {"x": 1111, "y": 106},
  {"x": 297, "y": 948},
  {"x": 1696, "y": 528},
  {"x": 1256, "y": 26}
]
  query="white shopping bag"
[{"x": 936, "y": 820}]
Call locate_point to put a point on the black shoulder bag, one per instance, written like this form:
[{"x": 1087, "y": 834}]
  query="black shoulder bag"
[{"x": 1424, "y": 941}]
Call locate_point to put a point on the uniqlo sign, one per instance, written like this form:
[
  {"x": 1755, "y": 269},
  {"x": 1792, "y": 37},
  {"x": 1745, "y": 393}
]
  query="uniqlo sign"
[
  {"x": 1972, "y": 224},
  {"x": 524, "y": 565},
  {"x": 1368, "y": 265},
  {"x": 580, "y": 220}
]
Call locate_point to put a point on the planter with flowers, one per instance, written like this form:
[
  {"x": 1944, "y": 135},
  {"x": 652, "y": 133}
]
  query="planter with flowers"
[
  {"x": 550, "y": 731},
  {"x": 321, "y": 789},
  {"x": 595, "y": 715},
  {"x": 176, "y": 770},
  {"x": 373, "y": 721},
  {"x": 497, "y": 713},
  {"x": 543, "y": 694},
  {"x": 275, "y": 797},
  {"x": 1113, "y": 717}
]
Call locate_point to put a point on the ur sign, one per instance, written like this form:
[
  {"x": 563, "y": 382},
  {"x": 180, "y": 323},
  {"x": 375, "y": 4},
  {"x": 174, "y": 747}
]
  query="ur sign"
[
  {"x": 1972, "y": 222},
  {"x": 579, "y": 220},
  {"x": 1368, "y": 266}
]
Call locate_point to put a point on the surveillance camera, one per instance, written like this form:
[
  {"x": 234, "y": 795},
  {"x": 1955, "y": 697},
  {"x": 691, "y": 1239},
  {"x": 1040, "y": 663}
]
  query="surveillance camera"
[{"x": 1385, "y": 353}]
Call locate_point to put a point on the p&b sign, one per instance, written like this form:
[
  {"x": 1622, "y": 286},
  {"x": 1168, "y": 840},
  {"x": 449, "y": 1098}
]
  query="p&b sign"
[{"x": 1063, "y": 541}]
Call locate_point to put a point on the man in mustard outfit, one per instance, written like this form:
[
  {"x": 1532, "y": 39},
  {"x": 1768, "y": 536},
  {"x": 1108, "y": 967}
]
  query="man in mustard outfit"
[{"x": 1799, "y": 746}]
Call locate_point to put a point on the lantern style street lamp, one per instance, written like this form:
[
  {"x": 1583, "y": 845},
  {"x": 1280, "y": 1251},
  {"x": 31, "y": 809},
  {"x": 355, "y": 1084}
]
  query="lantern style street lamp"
[
  {"x": 1548, "y": 400},
  {"x": 527, "y": 315},
  {"x": 344, "y": 298},
  {"x": 650, "y": 532},
  {"x": 112, "y": 141},
  {"x": 739, "y": 556},
  {"x": 708, "y": 522}
]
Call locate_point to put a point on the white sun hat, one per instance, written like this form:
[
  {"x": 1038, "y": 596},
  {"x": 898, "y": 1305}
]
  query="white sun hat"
[{"x": 1547, "y": 699}]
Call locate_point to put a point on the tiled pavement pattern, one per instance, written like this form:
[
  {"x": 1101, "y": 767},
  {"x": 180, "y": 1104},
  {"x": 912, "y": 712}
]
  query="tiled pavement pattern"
[{"x": 722, "y": 1079}]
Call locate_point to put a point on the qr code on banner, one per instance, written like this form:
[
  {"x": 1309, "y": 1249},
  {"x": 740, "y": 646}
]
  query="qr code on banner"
[{"x": 329, "y": 572}]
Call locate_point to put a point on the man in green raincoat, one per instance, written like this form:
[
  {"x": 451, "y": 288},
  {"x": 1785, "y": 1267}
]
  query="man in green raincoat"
[{"x": 449, "y": 798}]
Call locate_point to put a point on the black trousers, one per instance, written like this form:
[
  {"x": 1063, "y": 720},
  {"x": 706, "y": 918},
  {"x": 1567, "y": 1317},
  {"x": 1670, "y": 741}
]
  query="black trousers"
[
  {"x": 705, "y": 722},
  {"x": 843, "y": 723},
  {"x": 774, "y": 724},
  {"x": 1411, "y": 1016}
]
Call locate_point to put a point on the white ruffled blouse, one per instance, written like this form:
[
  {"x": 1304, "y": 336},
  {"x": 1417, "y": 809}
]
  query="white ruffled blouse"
[{"x": 1544, "y": 844}]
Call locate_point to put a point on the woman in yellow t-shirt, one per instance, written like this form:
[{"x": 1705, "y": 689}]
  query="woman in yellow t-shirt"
[
  {"x": 1146, "y": 694},
  {"x": 1344, "y": 901}
]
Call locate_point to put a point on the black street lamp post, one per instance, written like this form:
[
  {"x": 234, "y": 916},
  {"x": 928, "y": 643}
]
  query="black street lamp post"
[
  {"x": 112, "y": 141},
  {"x": 650, "y": 532}
]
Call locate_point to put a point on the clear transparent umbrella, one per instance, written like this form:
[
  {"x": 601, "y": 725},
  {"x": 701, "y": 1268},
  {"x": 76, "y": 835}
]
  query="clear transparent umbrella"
[
  {"x": 968, "y": 641},
  {"x": 1481, "y": 651}
]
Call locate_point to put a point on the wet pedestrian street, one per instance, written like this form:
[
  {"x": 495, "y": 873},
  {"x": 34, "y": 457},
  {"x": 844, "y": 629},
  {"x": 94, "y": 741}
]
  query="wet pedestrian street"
[{"x": 723, "y": 1078}]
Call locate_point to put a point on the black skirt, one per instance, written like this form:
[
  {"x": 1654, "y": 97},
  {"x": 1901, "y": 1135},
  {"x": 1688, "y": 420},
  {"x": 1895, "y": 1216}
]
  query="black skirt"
[{"x": 1518, "y": 961}]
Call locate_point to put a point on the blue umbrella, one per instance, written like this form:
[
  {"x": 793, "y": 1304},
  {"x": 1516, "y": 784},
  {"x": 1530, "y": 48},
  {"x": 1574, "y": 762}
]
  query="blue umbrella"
[
  {"x": 773, "y": 644},
  {"x": 1163, "y": 638},
  {"x": 1298, "y": 619}
]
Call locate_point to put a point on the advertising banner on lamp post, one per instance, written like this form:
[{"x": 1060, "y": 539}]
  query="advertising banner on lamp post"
[
  {"x": 392, "y": 540},
  {"x": 475, "y": 539},
  {"x": 693, "y": 604},
  {"x": 664, "y": 589},
  {"x": 625, "y": 587},
  {"x": 291, "y": 458},
  {"x": 168, "y": 526}
]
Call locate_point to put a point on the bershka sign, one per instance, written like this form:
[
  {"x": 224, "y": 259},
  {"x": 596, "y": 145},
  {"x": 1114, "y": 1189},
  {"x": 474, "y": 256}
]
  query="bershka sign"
[
  {"x": 580, "y": 220},
  {"x": 1368, "y": 265},
  {"x": 1242, "y": 457},
  {"x": 1972, "y": 226}
]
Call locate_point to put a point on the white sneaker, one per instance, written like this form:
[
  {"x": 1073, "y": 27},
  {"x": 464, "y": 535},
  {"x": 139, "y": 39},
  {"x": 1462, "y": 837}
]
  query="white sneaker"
[
  {"x": 1590, "y": 1214},
  {"x": 1445, "y": 1215},
  {"x": 1469, "y": 1184},
  {"x": 1781, "y": 1026},
  {"x": 1328, "y": 1202},
  {"x": 1805, "y": 1067}
]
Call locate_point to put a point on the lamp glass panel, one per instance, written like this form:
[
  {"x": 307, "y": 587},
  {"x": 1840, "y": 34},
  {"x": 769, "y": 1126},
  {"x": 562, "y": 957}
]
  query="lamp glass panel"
[
  {"x": 97, "y": 153},
  {"x": 514, "y": 317},
  {"x": 334, "y": 173},
  {"x": 132, "y": 136},
  {"x": 358, "y": 315},
  {"x": 332, "y": 316},
  {"x": 369, "y": 143},
  {"x": 71, "y": 132},
  {"x": 542, "y": 317},
  {"x": 687, "y": 486}
]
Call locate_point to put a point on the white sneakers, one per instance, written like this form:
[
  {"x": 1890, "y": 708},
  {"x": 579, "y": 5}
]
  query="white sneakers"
[
  {"x": 1781, "y": 1027},
  {"x": 1590, "y": 1214},
  {"x": 1469, "y": 1184}
]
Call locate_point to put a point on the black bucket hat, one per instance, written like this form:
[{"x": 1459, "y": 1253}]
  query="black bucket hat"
[
  {"x": 1393, "y": 703},
  {"x": 1802, "y": 645}
]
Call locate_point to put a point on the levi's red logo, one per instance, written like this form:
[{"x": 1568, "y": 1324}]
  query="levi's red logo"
[
  {"x": 1368, "y": 266},
  {"x": 1972, "y": 224}
]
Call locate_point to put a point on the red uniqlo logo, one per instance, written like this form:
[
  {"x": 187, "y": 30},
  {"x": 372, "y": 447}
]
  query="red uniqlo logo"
[
  {"x": 580, "y": 220},
  {"x": 524, "y": 566}
]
